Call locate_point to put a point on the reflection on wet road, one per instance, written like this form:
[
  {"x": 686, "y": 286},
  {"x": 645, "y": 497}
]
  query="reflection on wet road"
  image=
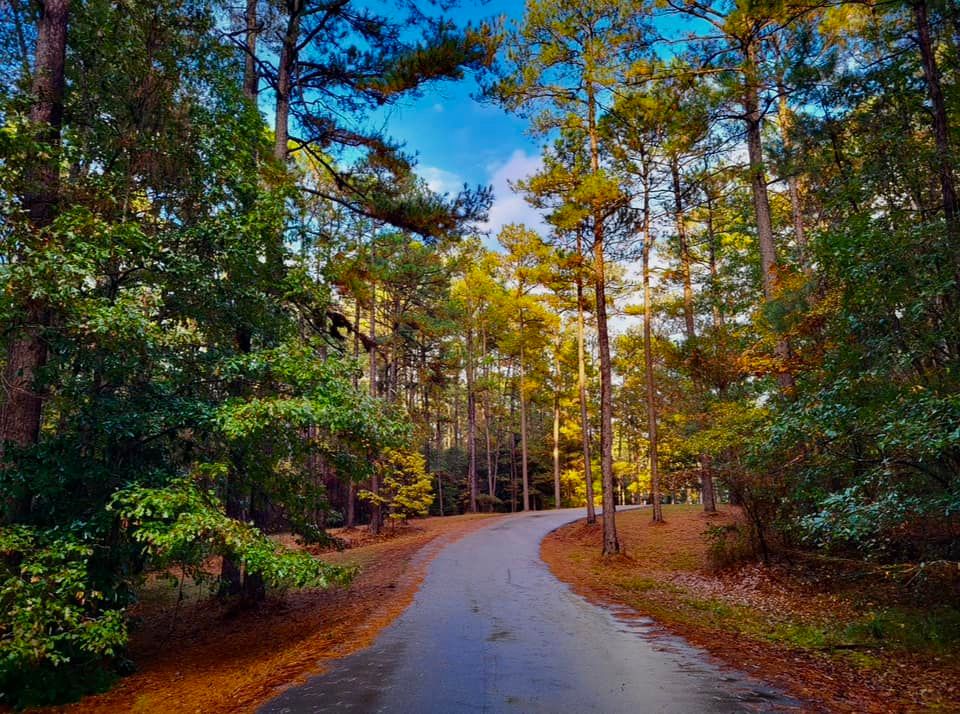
[{"x": 491, "y": 630}]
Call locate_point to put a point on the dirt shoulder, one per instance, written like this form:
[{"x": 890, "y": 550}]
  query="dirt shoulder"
[
  {"x": 838, "y": 640},
  {"x": 216, "y": 660}
]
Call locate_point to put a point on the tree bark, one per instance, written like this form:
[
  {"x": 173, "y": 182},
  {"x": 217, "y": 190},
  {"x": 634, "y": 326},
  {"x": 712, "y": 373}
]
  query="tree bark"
[
  {"x": 718, "y": 313},
  {"x": 285, "y": 77},
  {"x": 231, "y": 574},
  {"x": 582, "y": 387},
  {"x": 611, "y": 543},
  {"x": 556, "y": 427},
  {"x": 706, "y": 485},
  {"x": 22, "y": 408},
  {"x": 753, "y": 118},
  {"x": 440, "y": 491},
  {"x": 652, "y": 437},
  {"x": 350, "y": 515},
  {"x": 523, "y": 427},
  {"x": 688, "y": 317},
  {"x": 471, "y": 423},
  {"x": 941, "y": 126},
  {"x": 251, "y": 78},
  {"x": 651, "y": 386},
  {"x": 455, "y": 443},
  {"x": 491, "y": 486},
  {"x": 513, "y": 446},
  {"x": 375, "y": 510}
]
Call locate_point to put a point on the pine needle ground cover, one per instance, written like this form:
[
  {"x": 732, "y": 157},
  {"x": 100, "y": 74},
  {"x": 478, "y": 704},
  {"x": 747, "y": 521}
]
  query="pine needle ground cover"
[
  {"x": 841, "y": 637},
  {"x": 221, "y": 660}
]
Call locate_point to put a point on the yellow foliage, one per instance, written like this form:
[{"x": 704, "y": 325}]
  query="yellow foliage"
[{"x": 406, "y": 488}]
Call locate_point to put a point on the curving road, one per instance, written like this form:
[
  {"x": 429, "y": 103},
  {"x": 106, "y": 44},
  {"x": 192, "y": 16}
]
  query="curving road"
[{"x": 491, "y": 630}]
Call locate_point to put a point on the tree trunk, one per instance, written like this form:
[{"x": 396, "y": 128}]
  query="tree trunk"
[
  {"x": 688, "y": 317},
  {"x": 556, "y": 427},
  {"x": 653, "y": 452},
  {"x": 523, "y": 428},
  {"x": 513, "y": 442},
  {"x": 753, "y": 118},
  {"x": 455, "y": 443},
  {"x": 440, "y": 491},
  {"x": 231, "y": 574},
  {"x": 611, "y": 544},
  {"x": 239, "y": 503},
  {"x": 22, "y": 408},
  {"x": 582, "y": 387},
  {"x": 375, "y": 514},
  {"x": 486, "y": 418},
  {"x": 497, "y": 439},
  {"x": 706, "y": 486},
  {"x": 651, "y": 387},
  {"x": 285, "y": 77},
  {"x": 350, "y": 514},
  {"x": 719, "y": 319},
  {"x": 251, "y": 78},
  {"x": 471, "y": 424},
  {"x": 254, "y": 589},
  {"x": 941, "y": 127}
]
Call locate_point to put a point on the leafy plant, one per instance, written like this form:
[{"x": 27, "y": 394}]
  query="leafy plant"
[
  {"x": 59, "y": 632},
  {"x": 406, "y": 489}
]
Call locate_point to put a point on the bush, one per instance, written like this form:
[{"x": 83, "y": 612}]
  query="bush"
[
  {"x": 63, "y": 627},
  {"x": 486, "y": 502},
  {"x": 728, "y": 545},
  {"x": 406, "y": 488},
  {"x": 59, "y": 633}
]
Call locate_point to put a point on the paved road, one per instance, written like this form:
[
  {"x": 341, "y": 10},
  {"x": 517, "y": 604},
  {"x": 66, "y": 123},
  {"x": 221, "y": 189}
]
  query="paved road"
[{"x": 491, "y": 630}]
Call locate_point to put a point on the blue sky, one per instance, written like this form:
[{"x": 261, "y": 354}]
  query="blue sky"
[{"x": 458, "y": 139}]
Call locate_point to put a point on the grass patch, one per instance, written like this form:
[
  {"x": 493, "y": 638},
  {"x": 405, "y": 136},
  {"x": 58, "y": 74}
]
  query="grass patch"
[
  {"x": 642, "y": 585},
  {"x": 935, "y": 631},
  {"x": 852, "y": 642}
]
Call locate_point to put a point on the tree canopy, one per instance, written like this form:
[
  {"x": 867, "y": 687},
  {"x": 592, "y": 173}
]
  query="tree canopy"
[{"x": 231, "y": 306}]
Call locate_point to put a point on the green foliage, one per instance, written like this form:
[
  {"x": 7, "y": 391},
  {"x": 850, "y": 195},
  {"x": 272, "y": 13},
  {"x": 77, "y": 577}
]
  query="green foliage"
[
  {"x": 58, "y": 630},
  {"x": 63, "y": 626},
  {"x": 936, "y": 630},
  {"x": 182, "y": 337},
  {"x": 182, "y": 524},
  {"x": 196, "y": 301}
]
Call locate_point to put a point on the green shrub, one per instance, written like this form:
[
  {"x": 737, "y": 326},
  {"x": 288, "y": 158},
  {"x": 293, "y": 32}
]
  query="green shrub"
[
  {"x": 63, "y": 627},
  {"x": 728, "y": 545},
  {"x": 59, "y": 633}
]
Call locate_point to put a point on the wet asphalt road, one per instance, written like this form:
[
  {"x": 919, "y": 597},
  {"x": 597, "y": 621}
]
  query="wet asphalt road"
[{"x": 491, "y": 630}]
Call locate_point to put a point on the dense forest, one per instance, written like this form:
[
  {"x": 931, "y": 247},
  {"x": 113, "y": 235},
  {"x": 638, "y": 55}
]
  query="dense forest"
[{"x": 231, "y": 307}]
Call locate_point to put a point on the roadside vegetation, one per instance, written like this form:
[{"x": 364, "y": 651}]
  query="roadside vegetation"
[
  {"x": 191, "y": 648},
  {"x": 844, "y": 636},
  {"x": 233, "y": 307}
]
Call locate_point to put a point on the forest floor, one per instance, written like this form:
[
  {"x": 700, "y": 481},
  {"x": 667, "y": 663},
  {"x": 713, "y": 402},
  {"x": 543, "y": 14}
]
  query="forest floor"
[
  {"x": 839, "y": 637},
  {"x": 205, "y": 657}
]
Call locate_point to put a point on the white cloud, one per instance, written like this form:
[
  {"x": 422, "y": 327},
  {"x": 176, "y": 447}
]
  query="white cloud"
[
  {"x": 510, "y": 207},
  {"x": 440, "y": 180}
]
